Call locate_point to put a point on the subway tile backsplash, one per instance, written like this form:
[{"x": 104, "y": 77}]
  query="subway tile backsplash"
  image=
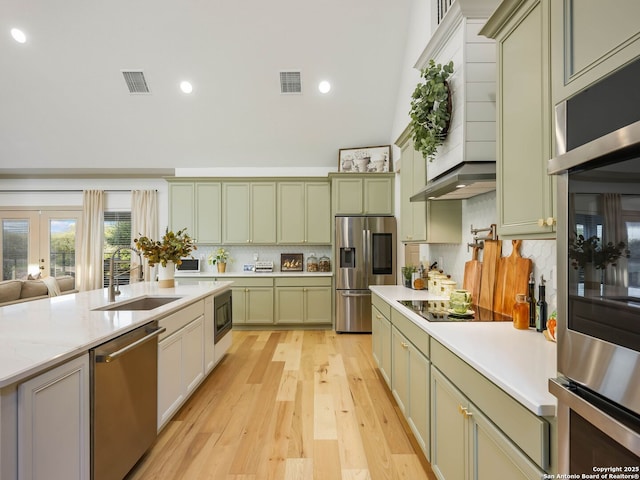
[{"x": 481, "y": 212}]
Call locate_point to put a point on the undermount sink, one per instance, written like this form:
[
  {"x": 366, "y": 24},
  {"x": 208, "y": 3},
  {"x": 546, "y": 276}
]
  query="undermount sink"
[{"x": 138, "y": 303}]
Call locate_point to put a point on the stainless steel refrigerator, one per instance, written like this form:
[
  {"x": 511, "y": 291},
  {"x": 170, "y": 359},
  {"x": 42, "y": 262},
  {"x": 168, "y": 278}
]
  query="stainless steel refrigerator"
[{"x": 365, "y": 255}]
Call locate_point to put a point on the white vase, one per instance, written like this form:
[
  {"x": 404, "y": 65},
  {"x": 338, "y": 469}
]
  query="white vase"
[{"x": 166, "y": 275}]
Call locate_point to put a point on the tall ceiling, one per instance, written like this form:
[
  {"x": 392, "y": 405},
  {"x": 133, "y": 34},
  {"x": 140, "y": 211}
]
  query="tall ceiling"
[{"x": 64, "y": 103}]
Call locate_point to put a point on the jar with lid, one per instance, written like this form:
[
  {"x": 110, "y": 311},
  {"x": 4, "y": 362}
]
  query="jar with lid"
[
  {"x": 312, "y": 263},
  {"x": 324, "y": 264},
  {"x": 520, "y": 312}
]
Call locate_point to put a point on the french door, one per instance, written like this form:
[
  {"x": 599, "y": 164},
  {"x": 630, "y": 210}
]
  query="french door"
[{"x": 38, "y": 241}]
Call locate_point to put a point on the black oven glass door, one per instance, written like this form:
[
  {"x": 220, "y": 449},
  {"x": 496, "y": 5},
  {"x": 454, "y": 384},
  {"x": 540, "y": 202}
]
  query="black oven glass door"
[
  {"x": 222, "y": 315},
  {"x": 604, "y": 251}
]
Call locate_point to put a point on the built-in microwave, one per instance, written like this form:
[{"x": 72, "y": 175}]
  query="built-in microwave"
[{"x": 598, "y": 247}]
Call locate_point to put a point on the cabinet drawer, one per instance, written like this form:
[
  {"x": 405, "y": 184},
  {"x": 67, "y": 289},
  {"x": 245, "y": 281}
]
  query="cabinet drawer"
[
  {"x": 176, "y": 321},
  {"x": 528, "y": 431},
  {"x": 239, "y": 282},
  {"x": 303, "y": 282},
  {"x": 382, "y": 306},
  {"x": 414, "y": 334}
]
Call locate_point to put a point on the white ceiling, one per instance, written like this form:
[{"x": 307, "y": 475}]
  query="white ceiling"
[{"x": 64, "y": 103}]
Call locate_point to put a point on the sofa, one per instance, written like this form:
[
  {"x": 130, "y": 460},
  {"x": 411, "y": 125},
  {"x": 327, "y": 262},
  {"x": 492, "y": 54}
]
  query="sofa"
[{"x": 18, "y": 291}]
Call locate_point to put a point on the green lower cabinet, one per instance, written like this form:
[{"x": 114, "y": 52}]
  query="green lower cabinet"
[
  {"x": 466, "y": 445},
  {"x": 303, "y": 304},
  {"x": 410, "y": 386},
  {"x": 252, "y": 305},
  {"x": 381, "y": 341}
]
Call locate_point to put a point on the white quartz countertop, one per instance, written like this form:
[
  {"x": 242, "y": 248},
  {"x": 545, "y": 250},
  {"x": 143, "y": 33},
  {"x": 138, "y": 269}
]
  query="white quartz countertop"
[
  {"x": 212, "y": 274},
  {"x": 520, "y": 362},
  {"x": 39, "y": 334}
]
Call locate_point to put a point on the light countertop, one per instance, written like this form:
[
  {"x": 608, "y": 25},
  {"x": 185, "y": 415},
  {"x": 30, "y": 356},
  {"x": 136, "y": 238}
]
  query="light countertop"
[
  {"x": 520, "y": 362},
  {"x": 39, "y": 334},
  {"x": 213, "y": 274}
]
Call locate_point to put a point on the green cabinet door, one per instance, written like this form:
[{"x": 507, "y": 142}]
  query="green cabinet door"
[
  {"x": 419, "y": 414},
  {"x": 317, "y": 304},
  {"x": 181, "y": 207},
  {"x": 348, "y": 196},
  {"x": 259, "y": 305},
  {"x": 378, "y": 195},
  {"x": 381, "y": 342},
  {"x": 400, "y": 369},
  {"x": 235, "y": 213},
  {"x": 289, "y": 305},
  {"x": 318, "y": 212},
  {"x": 208, "y": 210},
  {"x": 448, "y": 429},
  {"x": 263, "y": 212},
  {"x": 291, "y": 212}
]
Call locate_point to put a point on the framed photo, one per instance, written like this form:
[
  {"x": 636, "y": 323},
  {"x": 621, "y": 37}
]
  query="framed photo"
[
  {"x": 365, "y": 159},
  {"x": 290, "y": 262}
]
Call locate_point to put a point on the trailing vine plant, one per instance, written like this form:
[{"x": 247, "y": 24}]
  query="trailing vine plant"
[{"x": 431, "y": 109}]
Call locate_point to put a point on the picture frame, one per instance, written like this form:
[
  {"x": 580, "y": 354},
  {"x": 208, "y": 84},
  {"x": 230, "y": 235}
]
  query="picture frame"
[
  {"x": 291, "y": 262},
  {"x": 365, "y": 159}
]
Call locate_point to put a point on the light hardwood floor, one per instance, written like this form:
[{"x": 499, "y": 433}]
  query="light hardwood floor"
[{"x": 289, "y": 405}]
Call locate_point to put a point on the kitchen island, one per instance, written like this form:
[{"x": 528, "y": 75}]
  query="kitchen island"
[
  {"x": 479, "y": 384},
  {"x": 45, "y": 343}
]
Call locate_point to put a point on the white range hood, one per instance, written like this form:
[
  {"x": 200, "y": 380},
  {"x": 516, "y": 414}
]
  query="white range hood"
[{"x": 468, "y": 155}]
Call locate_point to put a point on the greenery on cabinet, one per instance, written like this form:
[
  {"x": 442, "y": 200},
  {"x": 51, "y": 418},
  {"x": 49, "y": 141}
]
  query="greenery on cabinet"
[
  {"x": 431, "y": 108},
  {"x": 172, "y": 248}
]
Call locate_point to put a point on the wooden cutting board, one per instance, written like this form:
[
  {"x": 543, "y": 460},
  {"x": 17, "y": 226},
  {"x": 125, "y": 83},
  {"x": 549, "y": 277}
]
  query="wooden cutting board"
[
  {"x": 491, "y": 255},
  {"x": 472, "y": 275},
  {"x": 512, "y": 277}
]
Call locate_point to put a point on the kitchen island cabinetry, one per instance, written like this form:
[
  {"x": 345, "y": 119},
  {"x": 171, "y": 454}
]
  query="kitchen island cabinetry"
[
  {"x": 249, "y": 213},
  {"x": 53, "y": 423},
  {"x": 524, "y": 190},
  {"x": 365, "y": 194},
  {"x": 180, "y": 359},
  {"x": 196, "y": 206},
  {"x": 304, "y": 212},
  {"x": 304, "y": 301}
]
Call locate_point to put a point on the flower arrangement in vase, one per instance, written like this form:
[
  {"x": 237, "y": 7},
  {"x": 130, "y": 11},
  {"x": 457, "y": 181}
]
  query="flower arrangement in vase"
[
  {"x": 220, "y": 258},
  {"x": 167, "y": 252}
]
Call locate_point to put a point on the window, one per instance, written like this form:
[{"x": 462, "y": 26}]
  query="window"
[{"x": 117, "y": 234}]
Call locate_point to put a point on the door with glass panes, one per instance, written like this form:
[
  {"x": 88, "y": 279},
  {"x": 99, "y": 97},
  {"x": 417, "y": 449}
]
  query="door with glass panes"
[{"x": 38, "y": 241}]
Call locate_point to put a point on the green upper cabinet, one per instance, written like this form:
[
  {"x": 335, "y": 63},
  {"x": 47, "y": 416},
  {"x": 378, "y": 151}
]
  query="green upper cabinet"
[
  {"x": 249, "y": 212},
  {"x": 304, "y": 212},
  {"x": 524, "y": 190},
  {"x": 196, "y": 207},
  {"x": 413, "y": 176},
  {"x": 589, "y": 40},
  {"x": 367, "y": 194}
]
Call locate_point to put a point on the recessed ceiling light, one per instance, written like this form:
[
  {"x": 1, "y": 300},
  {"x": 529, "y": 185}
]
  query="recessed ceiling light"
[
  {"x": 18, "y": 35},
  {"x": 186, "y": 87},
  {"x": 324, "y": 86}
]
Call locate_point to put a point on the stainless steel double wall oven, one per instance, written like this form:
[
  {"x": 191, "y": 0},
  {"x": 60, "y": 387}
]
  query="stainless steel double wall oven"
[{"x": 598, "y": 193}]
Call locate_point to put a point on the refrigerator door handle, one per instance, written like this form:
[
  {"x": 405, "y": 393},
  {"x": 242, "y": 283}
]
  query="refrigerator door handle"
[
  {"x": 367, "y": 254},
  {"x": 355, "y": 294}
]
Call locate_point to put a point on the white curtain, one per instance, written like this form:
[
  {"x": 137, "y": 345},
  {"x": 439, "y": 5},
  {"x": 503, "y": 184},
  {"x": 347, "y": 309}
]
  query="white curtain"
[
  {"x": 615, "y": 231},
  {"x": 90, "y": 265},
  {"x": 144, "y": 222}
]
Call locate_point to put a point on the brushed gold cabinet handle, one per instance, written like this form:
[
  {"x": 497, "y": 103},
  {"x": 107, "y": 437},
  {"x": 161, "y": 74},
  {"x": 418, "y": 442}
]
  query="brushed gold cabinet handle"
[
  {"x": 550, "y": 221},
  {"x": 404, "y": 345},
  {"x": 541, "y": 222},
  {"x": 464, "y": 411},
  {"x": 379, "y": 317}
]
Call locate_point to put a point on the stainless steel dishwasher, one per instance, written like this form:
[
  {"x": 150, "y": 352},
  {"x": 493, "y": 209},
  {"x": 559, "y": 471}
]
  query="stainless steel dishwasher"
[{"x": 124, "y": 401}]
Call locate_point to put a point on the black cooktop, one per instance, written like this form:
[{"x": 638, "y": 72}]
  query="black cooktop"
[{"x": 430, "y": 312}]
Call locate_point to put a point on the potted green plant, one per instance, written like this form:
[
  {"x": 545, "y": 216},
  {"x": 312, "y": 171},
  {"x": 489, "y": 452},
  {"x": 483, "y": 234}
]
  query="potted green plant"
[
  {"x": 431, "y": 109},
  {"x": 167, "y": 252},
  {"x": 220, "y": 258}
]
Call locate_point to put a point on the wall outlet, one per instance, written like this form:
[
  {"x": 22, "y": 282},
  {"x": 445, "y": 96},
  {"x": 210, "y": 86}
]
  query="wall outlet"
[{"x": 255, "y": 257}]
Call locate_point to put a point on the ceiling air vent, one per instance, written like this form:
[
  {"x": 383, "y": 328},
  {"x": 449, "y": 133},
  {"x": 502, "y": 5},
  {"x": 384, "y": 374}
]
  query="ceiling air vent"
[
  {"x": 136, "y": 83},
  {"x": 290, "y": 82}
]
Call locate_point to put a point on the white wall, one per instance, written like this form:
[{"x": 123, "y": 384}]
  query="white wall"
[{"x": 52, "y": 193}]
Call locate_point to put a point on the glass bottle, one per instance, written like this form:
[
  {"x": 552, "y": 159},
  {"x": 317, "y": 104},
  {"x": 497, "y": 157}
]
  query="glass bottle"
[{"x": 520, "y": 312}]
